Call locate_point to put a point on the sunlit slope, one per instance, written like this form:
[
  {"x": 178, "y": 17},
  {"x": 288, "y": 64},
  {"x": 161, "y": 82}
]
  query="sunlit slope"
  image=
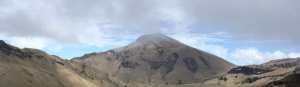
[{"x": 35, "y": 68}]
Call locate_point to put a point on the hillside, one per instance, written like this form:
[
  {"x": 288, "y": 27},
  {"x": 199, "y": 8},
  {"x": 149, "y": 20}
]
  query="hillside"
[
  {"x": 289, "y": 81},
  {"x": 156, "y": 58},
  {"x": 35, "y": 68},
  {"x": 259, "y": 75}
]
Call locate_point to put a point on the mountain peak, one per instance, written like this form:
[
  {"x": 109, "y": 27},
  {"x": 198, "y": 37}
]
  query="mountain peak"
[
  {"x": 158, "y": 39},
  {"x": 4, "y": 46},
  {"x": 151, "y": 37},
  {"x": 2, "y": 42}
]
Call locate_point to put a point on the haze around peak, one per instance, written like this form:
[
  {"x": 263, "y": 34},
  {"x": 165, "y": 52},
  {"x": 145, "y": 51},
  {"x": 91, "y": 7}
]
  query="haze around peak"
[
  {"x": 158, "y": 39},
  {"x": 247, "y": 32}
]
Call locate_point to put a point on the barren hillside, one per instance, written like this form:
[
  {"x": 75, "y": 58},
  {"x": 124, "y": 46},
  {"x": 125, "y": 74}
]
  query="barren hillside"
[{"x": 35, "y": 68}]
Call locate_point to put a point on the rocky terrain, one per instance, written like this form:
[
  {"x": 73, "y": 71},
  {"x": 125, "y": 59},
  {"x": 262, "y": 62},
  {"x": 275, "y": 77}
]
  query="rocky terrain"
[
  {"x": 259, "y": 75},
  {"x": 289, "y": 81},
  {"x": 156, "y": 58},
  {"x": 35, "y": 68}
]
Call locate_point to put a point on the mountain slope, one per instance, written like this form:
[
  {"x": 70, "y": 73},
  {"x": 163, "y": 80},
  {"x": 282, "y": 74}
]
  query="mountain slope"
[
  {"x": 289, "y": 81},
  {"x": 35, "y": 68},
  {"x": 259, "y": 75},
  {"x": 156, "y": 58}
]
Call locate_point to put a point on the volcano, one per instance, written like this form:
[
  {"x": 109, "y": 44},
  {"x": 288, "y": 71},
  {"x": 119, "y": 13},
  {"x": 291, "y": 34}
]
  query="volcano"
[{"x": 156, "y": 58}]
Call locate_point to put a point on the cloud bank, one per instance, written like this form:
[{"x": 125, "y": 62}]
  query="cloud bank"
[
  {"x": 197, "y": 23},
  {"x": 254, "y": 56}
]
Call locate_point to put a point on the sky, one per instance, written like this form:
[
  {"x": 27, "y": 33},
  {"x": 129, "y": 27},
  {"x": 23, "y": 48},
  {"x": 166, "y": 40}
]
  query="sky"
[{"x": 240, "y": 31}]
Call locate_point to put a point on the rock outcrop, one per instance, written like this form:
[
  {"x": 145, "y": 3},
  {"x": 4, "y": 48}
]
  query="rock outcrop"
[
  {"x": 190, "y": 63},
  {"x": 292, "y": 80},
  {"x": 297, "y": 70},
  {"x": 249, "y": 70}
]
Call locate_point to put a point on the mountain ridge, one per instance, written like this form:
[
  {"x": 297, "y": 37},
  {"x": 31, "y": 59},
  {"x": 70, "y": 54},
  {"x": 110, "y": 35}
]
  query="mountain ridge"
[{"x": 35, "y": 68}]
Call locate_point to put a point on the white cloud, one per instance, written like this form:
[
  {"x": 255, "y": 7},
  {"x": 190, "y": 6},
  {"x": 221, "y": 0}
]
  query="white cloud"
[
  {"x": 117, "y": 23},
  {"x": 198, "y": 40},
  {"x": 33, "y": 42},
  {"x": 29, "y": 42},
  {"x": 254, "y": 56},
  {"x": 217, "y": 50},
  {"x": 107, "y": 35},
  {"x": 62, "y": 20},
  {"x": 3, "y": 36},
  {"x": 55, "y": 47},
  {"x": 294, "y": 55}
]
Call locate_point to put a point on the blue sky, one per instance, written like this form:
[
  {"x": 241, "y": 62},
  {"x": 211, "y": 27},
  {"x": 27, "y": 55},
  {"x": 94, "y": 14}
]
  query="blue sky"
[{"x": 242, "y": 32}]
